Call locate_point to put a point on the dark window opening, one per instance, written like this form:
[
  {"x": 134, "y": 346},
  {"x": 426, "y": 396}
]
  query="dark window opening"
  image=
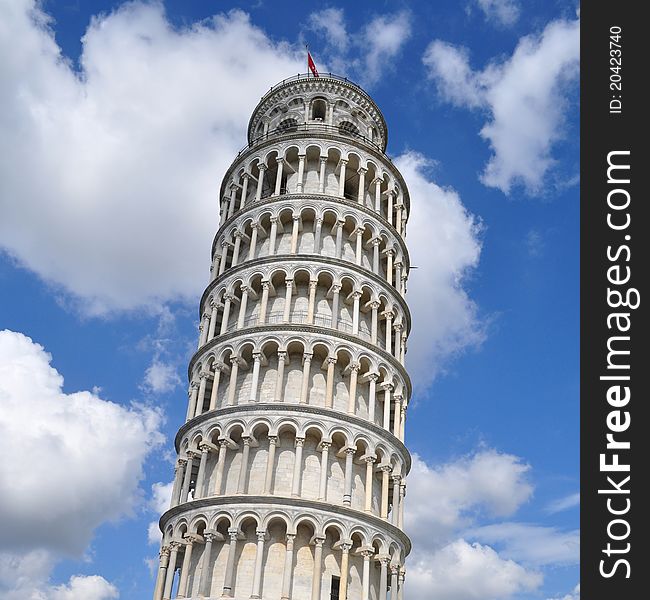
[{"x": 334, "y": 590}]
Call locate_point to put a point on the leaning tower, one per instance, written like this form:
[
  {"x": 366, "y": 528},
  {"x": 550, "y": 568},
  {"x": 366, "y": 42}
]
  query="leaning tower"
[{"x": 290, "y": 478}]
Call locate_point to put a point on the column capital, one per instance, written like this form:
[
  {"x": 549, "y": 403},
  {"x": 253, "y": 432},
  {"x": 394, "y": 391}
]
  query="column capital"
[
  {"x": 389, "y": 314},
  {"x": 291, "y": 537},
  {"x": 307, "y": 356},
  {"x": 273, "y": 439},
  {"x": 383, "y": 558},
  {"x": 262, "y": 167},
  {"x": 303, "y": 156},
  {"x": 279, "y": 160},
  {"x": 246, "y": 175},
  {"x": 203, "y": 374},
  {"x": 385, "y": 468},
  {"x": 234, "y": 360},
  {"x": 386, "y": 385},
  {"x": 210, "y": 537},
  {"x": 318, "y": 541},
  {"x": 375, "y": 241},
  {"x": 331, "y": 360},
  {"x": 266, "y": 284},
  {"x": 323, "y": 159},
  {"x": 325, "y": 445},
  {"x": 373, "y": 376},
  {"x": 233, "y": 534},
  {"x": 370, "y": 459},
  {"x": 288, "y": 282},
  {"x": 261, "y": 534},
  {"x": 205, "y": 447},
  {"x": 164, "y": 551},
  {"x": 396, "y": 478},
  {"x": 313, "y": 284},
  {"x": 257, "y": 356},
  {"x": 388, "y": 251},
  {"x": 356, "y": 294},
  {"x": 180, "y": 463},
  {"x": 351, "y": 450},
  {"x": 374, "y": 304},
  {"x": 336, "y": 288},
  {"x": 275, "y": 220},
  {"x": 394, "y": 569},
  {"x": 175, "y": 545},
  {"x": 300, "y": 441},
  {"x": 367, "y": 553},
  {"x": 282, "y": 355},
  {"x": 191, "y": 454},
  {"x": 362, "y": 170},
  {"x": 355, "y": 366},
  {"x": 246, "y": 440}
]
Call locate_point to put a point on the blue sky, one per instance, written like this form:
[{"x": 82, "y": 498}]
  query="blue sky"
[{"x": 118, "y": 121}]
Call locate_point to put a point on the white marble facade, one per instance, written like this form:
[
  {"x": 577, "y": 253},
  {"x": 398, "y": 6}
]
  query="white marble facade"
[{"x": 291, "y": 470}]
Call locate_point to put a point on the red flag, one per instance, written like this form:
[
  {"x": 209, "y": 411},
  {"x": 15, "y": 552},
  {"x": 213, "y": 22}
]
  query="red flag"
[{"x": 311, "y": 65}]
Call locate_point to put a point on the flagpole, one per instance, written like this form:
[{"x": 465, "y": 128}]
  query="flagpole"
[{"x": 307, "y": 48}]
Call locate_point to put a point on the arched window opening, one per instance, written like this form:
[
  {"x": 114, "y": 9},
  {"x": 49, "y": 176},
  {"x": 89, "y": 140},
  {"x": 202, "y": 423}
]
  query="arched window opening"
[
  {"x": 318, "y": 110},
  {"x": 287, "y": 125},
  {"x": 348, "y": 128}
]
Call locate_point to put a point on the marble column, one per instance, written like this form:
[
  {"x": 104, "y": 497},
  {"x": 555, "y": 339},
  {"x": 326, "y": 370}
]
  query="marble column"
[
  {"x": 279, "y": 378},
  {"x": 243, "y": 469},
  {"x": 370, "y": 478},
  {"x": 345, "y": 558},
  {"x": 362, "y": 184},
  {"x": 288, "y": 567},
  {"x": 270, "y": 464},
  {"x": 204, "y": 581},
  {"x": 329, "y": 387},
  {"x": 313, "y": 284},
  {"x": 306, "y": 368},
  {"x": 301, "y": 173},
  {"x": 221, "y": 461},
  {"x": 347, "y": 483},
  {"x": 278, "y": 177},
  {"x": 352, "y": 395},
  {"x": 185, "y": 569},
  {"x": 297, "y": 467},
  {"x": 365, "y": 581},
  {"x": 162, "y": 572},
  {"x": 257, "y": 573},
  {"x": 233, "y": 534},
  {"x": 321, "y": 177},
  {"x": 324, "y": 466},
  {"x": 200, "y": 478},
  {"x": 260, "y": 182},
  {"x": 171, "y": 570},
  {"x": 294, "y": 234},
  {"x": 257, "y": 360},
  {"x": 342, "y": 178},
  {"x": 385, "y": 476},
  {"x": 318, "y": 566},
  {"x": 232, "y": 388}
]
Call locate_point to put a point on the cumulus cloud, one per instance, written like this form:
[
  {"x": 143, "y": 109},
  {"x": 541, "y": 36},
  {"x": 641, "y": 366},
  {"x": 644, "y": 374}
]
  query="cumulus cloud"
[
  {"x": 161, "y": 496},
  {"x": 501, "y": 12},
  {"x": 161, "y": 377},
  {"x": 531, "y": 544},
  {"x": 525, "y": 97},
  {"x": 26, "y": 577},
  {"x": 330, "y": 22},
  {"x": 367, "y": 53},
  {"x": 437, "y": 294},
  {"x": 81, "y": 461},
  {"x": 109, "y": 175},
  {"x": 456, "y": 557},
  {"x": 463, "y": 571},
  {"x": 573, "y": 595},
  {"x": 443, "y": 499}
]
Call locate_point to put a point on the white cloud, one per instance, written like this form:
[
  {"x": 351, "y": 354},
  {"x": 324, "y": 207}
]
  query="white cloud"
[
  {"x": 501, "y": 12},
  {"x": 91, "y": 587},
  {"x": 565, "y": 503},
  {"x": 25, "y": 577},
  {"x": 330, "y": 23},
  {"x": 161, "y": 496},
  {"x": 443, "y": 499},
  {"x": 80, "y": 463},
  {"x": 463, "y": 571},
  {"x": 524, "y": 95},
  {"x": 363, "y": 55},
  {"x": 109, "y": 176},
  {"x": 531, "y": 544},
  {"x": 161, "y": 377},
  {"x": 573, "y": 595},
  {"x": 436, "y": 290}
]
